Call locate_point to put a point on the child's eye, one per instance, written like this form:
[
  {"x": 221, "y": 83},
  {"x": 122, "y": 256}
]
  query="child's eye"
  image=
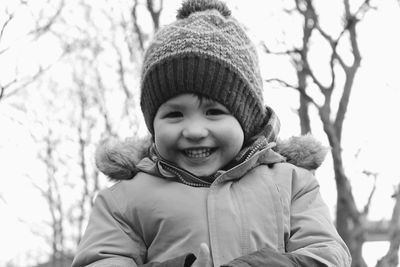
[
  {"x": 173, "y": 114},
  {"x": 215, "y": 112}
]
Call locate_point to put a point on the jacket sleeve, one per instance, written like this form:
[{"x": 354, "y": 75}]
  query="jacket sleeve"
[
  {"x": 270, "y": 257},
  {"x": 109, "y": 241},
  {"x": 312, "y": 232}
]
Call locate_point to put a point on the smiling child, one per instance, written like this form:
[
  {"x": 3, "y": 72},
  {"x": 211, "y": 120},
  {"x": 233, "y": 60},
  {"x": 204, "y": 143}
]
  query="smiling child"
[{"x": 212, "y": 187}]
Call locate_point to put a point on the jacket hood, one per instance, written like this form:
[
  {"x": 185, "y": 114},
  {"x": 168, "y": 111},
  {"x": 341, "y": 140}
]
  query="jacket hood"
[{"x": 119, "y": 159}]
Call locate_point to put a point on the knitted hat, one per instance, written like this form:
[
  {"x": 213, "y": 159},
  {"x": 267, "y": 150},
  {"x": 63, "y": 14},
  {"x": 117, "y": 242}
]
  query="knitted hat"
[{"x": 204, "y": 52}]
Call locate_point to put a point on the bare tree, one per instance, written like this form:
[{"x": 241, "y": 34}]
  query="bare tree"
[
  {"x": 84, "y": 139},
  {"x": 52, "y": 194},
  {"x": 350, "y": 221},
  {"x": 101, "y": 55},
  {"x": 43, "y": 23},
  {"x": 92, "y": 87}
]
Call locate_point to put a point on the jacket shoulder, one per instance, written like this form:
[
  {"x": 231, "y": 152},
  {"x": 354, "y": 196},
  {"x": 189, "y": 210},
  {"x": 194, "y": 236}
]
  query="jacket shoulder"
[
  {"x": 141, "y": 181},
  {"x": 291, "y": 170},
  {"x": 124, "y": 192},
  {"x": 292, "y": 178}
]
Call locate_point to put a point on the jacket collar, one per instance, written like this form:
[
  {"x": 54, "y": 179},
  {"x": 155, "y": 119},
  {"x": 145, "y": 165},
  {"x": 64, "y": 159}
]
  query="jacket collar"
[{"x": 259, "y": 153}]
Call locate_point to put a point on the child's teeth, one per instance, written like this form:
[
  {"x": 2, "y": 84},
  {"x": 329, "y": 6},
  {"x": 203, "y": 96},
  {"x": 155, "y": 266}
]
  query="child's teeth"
[{"x": 198, "y": 153}]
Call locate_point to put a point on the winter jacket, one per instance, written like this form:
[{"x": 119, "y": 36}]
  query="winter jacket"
[{"x": 262, "y": 212}]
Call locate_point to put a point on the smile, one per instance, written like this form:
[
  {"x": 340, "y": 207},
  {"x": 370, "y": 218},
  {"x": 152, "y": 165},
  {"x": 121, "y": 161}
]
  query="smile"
[{"x": 198, "y": 152}]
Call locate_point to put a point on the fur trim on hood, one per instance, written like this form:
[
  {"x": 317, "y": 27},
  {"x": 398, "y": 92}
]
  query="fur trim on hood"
[
  {"x": 303, "y": 151},
  {"x": 118, "y": 159}
]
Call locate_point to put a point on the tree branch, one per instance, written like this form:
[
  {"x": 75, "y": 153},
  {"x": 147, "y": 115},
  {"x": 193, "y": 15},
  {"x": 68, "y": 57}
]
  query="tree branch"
[
  {"x": 100, "y": 99},
  {"x": 300, "y": 90},
  {"x": 127, "y": 37},
  {"x": 23, "y": 85},
  {"x": 8, "y": 19},
  {"x": 39, "y": 30},
  {"x": 311, "y": 21},
  {"x": 136, "y": 26},
  {"x": 287, "y": 52},
  {"x": 333, "y": 44},
  {"x": 350, "y": 72},
  {"x": 155, "y": 14},
  {"x": 324, "y": 89},
  {"x": 371, "y": 194}
]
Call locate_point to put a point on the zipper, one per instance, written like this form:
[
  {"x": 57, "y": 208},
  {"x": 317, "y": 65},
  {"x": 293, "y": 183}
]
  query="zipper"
[
  {"x": 182, "y": 180},
  {"x": 255, "y": 149}
]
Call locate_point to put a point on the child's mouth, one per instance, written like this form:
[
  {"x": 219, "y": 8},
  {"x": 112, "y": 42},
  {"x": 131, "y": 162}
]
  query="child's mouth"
[{"x": 201, "y": 152}]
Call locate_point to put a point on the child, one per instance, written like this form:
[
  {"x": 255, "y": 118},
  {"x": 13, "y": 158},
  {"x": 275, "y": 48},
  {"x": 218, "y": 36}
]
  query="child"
[{"x": 212, "y": 183}]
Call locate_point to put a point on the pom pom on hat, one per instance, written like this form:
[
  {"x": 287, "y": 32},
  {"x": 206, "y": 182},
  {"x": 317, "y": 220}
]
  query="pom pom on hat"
[{"x": 191, "y": 6}]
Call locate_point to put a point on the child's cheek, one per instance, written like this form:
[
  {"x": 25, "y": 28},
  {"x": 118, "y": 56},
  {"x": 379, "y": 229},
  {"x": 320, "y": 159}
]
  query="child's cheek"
[{"x": 166, "y": 139}]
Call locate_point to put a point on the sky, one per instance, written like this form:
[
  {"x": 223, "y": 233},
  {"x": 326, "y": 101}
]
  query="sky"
[{"x": 370, "y": 138}]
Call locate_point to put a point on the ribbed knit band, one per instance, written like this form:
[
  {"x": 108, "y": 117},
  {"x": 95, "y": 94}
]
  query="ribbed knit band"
[{"x": 202, "y": 76}]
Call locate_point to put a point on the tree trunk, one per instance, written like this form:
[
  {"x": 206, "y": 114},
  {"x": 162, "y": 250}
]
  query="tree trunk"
[
  {"x": 348, "y": 219},
  {"x": 391, "y": 259},
  {"x": 304, "y": 116}
]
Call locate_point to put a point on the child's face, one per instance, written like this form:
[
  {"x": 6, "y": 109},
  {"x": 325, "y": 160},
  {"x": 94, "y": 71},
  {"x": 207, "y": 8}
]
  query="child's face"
[{"x": 199, "y": 135}]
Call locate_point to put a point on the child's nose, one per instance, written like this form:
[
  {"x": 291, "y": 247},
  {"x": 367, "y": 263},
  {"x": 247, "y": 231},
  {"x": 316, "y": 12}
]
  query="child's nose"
[{"x": 194, "y": 131}]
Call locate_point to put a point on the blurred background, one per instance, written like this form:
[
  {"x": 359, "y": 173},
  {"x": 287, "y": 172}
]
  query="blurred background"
[{"x": 69, "y": 76}]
